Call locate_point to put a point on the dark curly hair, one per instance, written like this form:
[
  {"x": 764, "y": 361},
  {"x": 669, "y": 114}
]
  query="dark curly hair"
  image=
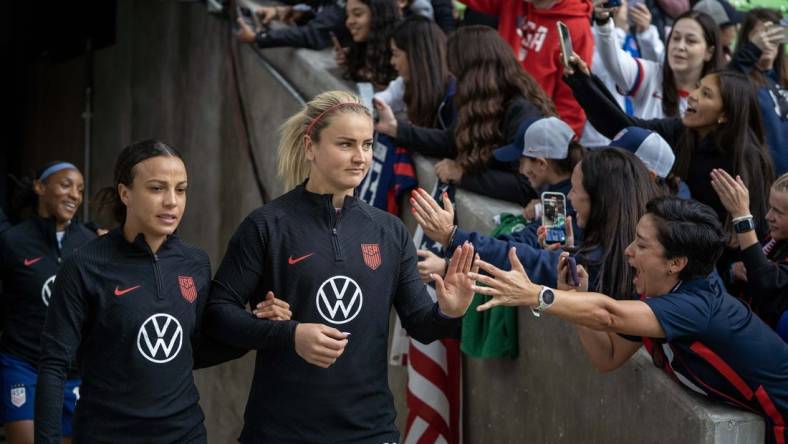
[
  {"x": 369, "y": 61},
  {"x": 488, "y": 78}
]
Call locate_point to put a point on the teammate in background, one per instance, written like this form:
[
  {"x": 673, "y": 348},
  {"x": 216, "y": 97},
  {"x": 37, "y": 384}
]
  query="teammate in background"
[
  {"x": 131, "y": 302},
  {"x": 30, "y": 257},
  {"x": 340, "y": 264}
]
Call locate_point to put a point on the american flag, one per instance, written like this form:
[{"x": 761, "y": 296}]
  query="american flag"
[{"x": 434, "y": 393}]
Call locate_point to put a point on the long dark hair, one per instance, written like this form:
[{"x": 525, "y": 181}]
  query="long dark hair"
[
  {"x": 740, "y": 139},
  {"x": 711, "y": 34},
  {"x": 614, "y": 214},
  {"x": 370, "y": 61},
  {"x": 124, "y": 169},
  {"x": 780, "y": 64},
  {"x": 488, "y": 77},
  {"x": 425, "y": 45}
]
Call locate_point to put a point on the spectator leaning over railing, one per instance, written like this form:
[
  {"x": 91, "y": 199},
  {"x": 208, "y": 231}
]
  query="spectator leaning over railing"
[
  {"x": 368, "y": 59},
  {"x": 701, "y": 336},
  {"x": 298, "y": 30},
  {"x": 721, "y": 129},
  {"x": 761, "y": 54},
  {"x": 494, "y": 95},
  {"x": 606, "y": 214},
  {"x": 763, "y": 271},
  {"x": 660, "y": 89},
  {"x": 529, "y": 27}
]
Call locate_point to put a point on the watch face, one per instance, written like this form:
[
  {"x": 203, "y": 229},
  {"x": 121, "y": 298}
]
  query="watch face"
[{"x": 548, "y": 296}]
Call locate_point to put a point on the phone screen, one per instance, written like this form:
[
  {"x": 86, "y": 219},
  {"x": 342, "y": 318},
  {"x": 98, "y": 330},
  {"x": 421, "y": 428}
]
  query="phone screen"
[
  {"x": 554, "y": 217},
  {"x": 565, "y": 40}
]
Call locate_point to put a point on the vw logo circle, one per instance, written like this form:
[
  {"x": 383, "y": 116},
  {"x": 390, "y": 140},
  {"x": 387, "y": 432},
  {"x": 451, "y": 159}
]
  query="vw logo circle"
[
  {"x": 160, "y": 338},
  {"x": 46, "y": 290},
  {"x": 339, "y": 299}
]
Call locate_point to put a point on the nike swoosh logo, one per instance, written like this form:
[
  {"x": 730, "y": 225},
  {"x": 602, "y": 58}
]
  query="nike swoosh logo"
[
  {"x": 29, "y": 262},
  {"x": 119, "y": 292},
  {"x": 292, "y": 261}
]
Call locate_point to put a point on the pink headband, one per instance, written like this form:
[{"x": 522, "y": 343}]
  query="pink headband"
[{"x": 320, "y": 116}]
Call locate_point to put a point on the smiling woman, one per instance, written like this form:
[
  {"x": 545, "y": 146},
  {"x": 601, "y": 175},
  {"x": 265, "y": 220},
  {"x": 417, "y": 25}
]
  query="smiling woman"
[
  {"x": 30, "y": 257},
  {"x": 131, "y": 302},
  {"x": 341, "y": 264}
]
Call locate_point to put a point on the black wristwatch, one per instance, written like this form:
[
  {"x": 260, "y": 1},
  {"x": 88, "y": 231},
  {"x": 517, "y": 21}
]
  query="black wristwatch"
[{"x": 744, "y": 225}]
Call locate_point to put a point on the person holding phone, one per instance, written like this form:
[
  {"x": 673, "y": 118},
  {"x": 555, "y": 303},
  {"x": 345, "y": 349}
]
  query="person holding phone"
[
  {"x": 761, "y": 55},
  {"x": 701, "y": 336},
  {"x": 606, "y": 214},
  {"x": 342, "y": 265},
  {"x": 529, "y": 27}
]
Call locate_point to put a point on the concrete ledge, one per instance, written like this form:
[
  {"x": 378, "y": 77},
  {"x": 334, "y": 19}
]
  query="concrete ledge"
[{"x": 550, "y": 393}]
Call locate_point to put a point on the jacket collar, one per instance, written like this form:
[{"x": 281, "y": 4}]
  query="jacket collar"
[{"x": 139, "y": 247}]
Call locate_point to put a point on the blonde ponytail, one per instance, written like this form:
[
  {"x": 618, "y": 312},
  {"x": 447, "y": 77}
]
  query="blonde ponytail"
[{"x": 316, "y": 115}]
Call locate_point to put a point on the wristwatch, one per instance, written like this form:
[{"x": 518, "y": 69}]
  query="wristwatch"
[
  {"x": 744, "y": 225},
  {"x": 546, "y": 299}
]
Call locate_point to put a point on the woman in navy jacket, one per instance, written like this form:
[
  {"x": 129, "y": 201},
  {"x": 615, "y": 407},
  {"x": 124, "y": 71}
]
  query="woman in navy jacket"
[{"x": 31, "y": 254}]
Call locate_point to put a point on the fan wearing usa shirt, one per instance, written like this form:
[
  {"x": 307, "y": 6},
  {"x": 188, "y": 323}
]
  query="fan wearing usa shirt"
[
  {"x": 341, "y": 265},
  {"x": 130, "y": 302},
  {"x": 30, "y": 256}
]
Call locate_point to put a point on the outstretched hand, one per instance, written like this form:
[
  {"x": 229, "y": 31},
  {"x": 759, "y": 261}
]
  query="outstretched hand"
[
  {"x": 455, "y": 290},
  {"x": 436, "y": 222},
  {"x": 509, "y": 288},
  {"x": 576, "y": 64},
  {"x": 733, "y": 193}
]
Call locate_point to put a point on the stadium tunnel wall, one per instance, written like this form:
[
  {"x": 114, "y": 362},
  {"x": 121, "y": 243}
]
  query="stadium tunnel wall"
[{"x": 170, "y": 76}]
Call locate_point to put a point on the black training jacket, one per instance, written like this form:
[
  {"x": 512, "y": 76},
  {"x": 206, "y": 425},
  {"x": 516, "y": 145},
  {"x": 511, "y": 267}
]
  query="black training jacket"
[
  {"x": 29, "y": 260},
  {"x": 344, "y": 271},
  {"x": 130, "y": 314}
]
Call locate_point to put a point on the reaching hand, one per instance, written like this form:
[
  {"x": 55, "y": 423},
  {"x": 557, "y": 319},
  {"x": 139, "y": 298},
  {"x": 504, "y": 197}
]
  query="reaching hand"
[
  {"x": 733, "y": 193},
  {"x": 245, "y": 33},
  {"x": 529, "y": 211},
  {"x": 576, "y": 64},
  {"x": 387, "y": 122},
  {"x": 430, "y": 264},
  {"x": 273, "y": 309},
  {"x": 436, "y": 222},
  {"x": 564, "y": 278},
  {"x": 569, "y": 233},
  {"x": 319, "y": 344},
  {"x": 455, "y": 291},
  {"x": 739, "y": 271},
  {"x": 768, "y": 37},
  {"x": 510, "y": 288},
  {"x": 448, "y": 171},
  {"x": 340, "y": 53},
  {"x": 641, "y": 17}
]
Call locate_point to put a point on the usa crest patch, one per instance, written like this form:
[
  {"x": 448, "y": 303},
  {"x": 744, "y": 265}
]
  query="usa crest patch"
[
  {"x": 188, "y": 290},
  {"x": 371, "y": 255},
  {"x": 18, "y": 396}
]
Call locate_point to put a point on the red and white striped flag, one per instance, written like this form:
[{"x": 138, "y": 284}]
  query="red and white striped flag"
[{"x": 434, "y": 393}]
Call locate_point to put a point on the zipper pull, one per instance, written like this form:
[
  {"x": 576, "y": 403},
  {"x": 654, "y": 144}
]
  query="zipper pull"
[{"x": 155, "y": 257}]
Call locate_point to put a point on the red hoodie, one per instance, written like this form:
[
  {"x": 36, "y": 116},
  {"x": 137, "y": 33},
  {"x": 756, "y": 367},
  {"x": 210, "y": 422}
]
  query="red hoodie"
[{"x": 532, "y": 34}]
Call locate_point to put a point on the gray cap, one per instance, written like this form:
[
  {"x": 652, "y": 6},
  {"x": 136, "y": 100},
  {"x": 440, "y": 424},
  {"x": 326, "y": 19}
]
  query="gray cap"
[
  {"x": 649, "y": 147},
  {"x": 546, "y": 137},
  {"x": 722, "y": 12}
]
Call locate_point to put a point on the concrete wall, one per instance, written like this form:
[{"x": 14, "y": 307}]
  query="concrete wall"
[{"x": 170, "y": 77}]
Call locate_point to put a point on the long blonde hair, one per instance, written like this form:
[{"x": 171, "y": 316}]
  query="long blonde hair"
[{"x": 316, "y": 115}]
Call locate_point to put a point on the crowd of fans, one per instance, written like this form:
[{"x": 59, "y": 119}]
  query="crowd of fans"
[{"x": 665, "y": 130}]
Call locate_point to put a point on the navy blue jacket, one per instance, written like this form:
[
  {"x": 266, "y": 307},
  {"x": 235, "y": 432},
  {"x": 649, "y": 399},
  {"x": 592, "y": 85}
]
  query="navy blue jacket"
[
  {"x": 30, "y": 258},
  {"x": 343, "y": 270}
]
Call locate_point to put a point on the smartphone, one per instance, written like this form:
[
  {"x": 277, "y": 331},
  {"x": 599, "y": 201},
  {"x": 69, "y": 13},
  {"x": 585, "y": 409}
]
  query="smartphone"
[
  {"x": 367, "y": 92},
  {"x": 612, "y": 4},
  {"x": 565, "y": 40},
  {"x": 246, "y": 15},
  {"x": 554, "y": 217},
  {"x": 574, "y": 278}
]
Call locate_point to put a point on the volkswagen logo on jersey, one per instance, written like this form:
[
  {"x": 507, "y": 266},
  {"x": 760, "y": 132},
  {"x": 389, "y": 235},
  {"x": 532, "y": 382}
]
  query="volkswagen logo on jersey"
[
  {"x": 339, "y": 299},
  {"x": 46, "y": 290},
  {"x": 160, "y": 338}
]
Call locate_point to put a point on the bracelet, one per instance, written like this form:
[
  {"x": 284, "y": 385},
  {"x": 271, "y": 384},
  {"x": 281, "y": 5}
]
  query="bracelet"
[
  {"x": 737, "y": 219},
  {"x": 451, "y": 238}
]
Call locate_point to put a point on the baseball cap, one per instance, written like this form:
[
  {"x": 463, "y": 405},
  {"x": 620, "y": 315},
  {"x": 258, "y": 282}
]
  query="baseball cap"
[
  {"x": 546, "y": 137},
  {"x": 648, "y": 146},
  {"x": 721, "y": 11}
]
